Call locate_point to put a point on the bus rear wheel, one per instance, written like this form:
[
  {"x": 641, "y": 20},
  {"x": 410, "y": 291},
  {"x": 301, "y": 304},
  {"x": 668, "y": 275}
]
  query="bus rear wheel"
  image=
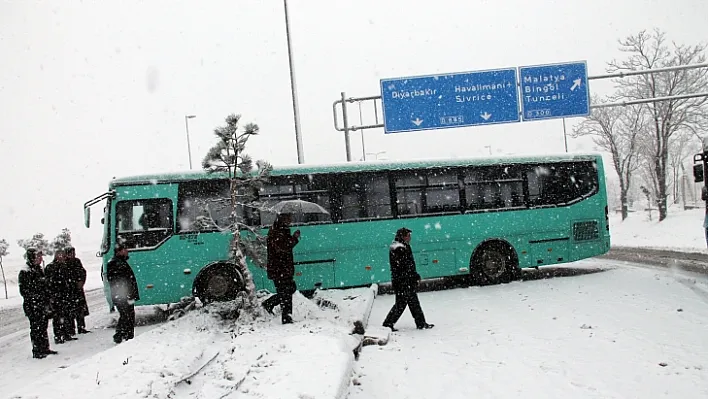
[
  {"x": 219, "y": 285},
  {"x": 494, "y": 263}
]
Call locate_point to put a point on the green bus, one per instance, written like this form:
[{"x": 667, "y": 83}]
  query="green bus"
[{"x": 486, "y": 218}]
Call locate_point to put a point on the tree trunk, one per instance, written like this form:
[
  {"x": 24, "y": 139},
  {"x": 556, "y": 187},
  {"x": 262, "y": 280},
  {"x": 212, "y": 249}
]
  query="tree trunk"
[
  {"x": 237, "y": 256},
  {"x": 661, "y": 182},
  {"x": 4, "y": 280},
  {"x": 623, "y": 199}
]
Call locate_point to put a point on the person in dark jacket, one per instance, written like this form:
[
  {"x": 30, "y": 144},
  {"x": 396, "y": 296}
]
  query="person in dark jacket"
[
  {"x": 124, "y": 293},
  {"x": 33, "y": 288},
  {"x": 281, "y": 266},
  {"x": 79, "y": 306},
  {"x": 404, "y": 279},
  {"x": 60, "y": 288}
]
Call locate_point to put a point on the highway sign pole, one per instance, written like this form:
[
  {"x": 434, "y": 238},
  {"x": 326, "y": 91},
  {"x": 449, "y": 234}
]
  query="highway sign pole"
[{"x": 345, "y": 120}]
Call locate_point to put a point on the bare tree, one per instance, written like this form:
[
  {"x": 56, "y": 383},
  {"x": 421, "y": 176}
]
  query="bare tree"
[
  {"x": 650, "y": 50},
  {"x": 617, "y": 130},
  {"x": 680, "y": 149},
  {"x": 4, "y": 246},
  {"x": 228, "y": 156}
]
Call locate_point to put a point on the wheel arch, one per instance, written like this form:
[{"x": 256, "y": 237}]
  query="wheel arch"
[
  {"x": 211, "y": 267},
  {"x": 496, "y": 241}
]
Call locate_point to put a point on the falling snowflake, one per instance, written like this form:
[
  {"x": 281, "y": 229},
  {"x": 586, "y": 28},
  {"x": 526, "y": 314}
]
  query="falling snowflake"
[{"x": 438, "y": 226}]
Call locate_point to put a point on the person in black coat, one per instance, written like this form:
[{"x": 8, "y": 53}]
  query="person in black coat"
[
  {"x": 404, "y": 279},
  {"x": 79, "y": 306},
  {"x": 124, "y": 293},
  {"x": 60, "y": 289},
  {"x": 35, "y": 294},
  {"x": 281, "y": 266}
]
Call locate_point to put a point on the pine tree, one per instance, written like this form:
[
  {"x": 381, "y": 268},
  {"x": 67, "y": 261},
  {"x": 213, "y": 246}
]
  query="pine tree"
[
  {"x": 228, "y": 156},
  {"x": 62, "y": 241},
  {"x": 4, "y": 246},
  {"x": 37, "y": 241}
]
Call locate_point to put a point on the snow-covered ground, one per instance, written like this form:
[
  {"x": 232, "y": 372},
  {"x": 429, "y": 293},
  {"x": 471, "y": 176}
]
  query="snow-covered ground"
[
  {"x": 255, "y": 359},
  {"x": 680, "y": 231},
  {"x": 626, "y": 332}
]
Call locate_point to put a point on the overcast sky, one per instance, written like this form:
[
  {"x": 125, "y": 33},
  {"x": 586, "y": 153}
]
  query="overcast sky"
[{"x": 91, "y": 90}]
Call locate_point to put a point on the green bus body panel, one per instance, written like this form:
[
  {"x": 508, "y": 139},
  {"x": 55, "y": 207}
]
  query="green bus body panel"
[{"x": 351, "y": 254}]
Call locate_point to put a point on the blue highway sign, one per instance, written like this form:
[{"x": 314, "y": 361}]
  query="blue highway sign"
[
  {"x": 450, "y": 100},
  {"x": 554, "y": 91}
]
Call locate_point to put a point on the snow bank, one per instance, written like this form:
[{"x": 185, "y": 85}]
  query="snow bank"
[
  {"x": 680, "y": 231},
  {"x": 354, "y": 305},
  {"x": 312, "y": 358}
]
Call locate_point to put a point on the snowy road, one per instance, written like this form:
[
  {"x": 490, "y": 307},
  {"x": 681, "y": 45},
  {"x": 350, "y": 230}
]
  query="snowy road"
[
  {"x": 12, "y": 319},
  {"x": 18, "y": 367},
  {"x": 617, "y": 331}
]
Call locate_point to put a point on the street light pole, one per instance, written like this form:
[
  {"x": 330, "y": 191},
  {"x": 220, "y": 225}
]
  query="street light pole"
[
  {"x": 189, "y": 147},
  {"x": 293, "y": 88}
]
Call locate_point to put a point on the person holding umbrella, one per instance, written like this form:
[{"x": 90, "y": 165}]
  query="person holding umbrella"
[{"x": 281, "y": 266}]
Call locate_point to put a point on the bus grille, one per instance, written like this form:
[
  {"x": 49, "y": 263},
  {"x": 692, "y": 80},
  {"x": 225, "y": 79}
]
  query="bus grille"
[{"x": 583, "y": 231}]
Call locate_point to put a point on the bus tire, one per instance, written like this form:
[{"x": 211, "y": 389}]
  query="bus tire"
[
  {"x": 494, "y": 262},
  {"x": 218, "y": 283}
]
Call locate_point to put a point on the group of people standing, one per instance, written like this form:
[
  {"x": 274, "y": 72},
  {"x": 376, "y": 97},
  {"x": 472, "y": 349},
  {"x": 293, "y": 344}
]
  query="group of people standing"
[
  {"x": 57, "y": 293},
  {"x": 281, "y": 270}
]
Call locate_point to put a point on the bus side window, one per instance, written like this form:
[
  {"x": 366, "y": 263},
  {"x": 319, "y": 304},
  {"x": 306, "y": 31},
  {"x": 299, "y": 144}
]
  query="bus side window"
[
  {"x": 377, "y": 203},
  {"x": 409, "y": 193},
  {"x": 144, "y": 223},
  {"x": 312, "y": 188},
  {"x": 562, "y": 183},
  {"x": 442, "y": 193}
]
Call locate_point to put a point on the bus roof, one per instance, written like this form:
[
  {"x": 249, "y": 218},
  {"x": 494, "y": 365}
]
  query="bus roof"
[{"x": 359, "y": 166}]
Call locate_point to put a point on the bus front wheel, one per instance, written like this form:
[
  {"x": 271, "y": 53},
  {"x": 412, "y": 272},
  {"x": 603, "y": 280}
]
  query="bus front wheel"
[
  {"x": 220, "y": 284},
  {"x": 494, "y": 262}
]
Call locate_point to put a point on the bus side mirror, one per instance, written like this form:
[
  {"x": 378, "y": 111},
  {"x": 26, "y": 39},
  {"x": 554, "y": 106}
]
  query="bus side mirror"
[
  {"x": 87, "y": 216},
  {"x": 698, "y": 173}
]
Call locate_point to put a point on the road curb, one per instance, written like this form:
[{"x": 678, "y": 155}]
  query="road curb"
[{"x": 358, "y": 331}]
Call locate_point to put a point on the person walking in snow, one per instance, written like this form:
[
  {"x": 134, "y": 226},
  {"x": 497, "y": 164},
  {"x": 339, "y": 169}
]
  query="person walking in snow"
[
  {"x": 124, "y": 292},
  {"x": 404, "y": 279},
  {"x": 60, "y": 288},
  {"x": 79, "y": 306},
  {"x": 281, "y": 266},
  {"x": 35, "y": 294}
]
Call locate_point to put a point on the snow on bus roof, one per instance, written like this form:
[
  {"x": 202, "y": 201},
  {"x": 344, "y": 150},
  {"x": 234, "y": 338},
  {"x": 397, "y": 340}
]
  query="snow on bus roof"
[{"x": 357, "y": 166}]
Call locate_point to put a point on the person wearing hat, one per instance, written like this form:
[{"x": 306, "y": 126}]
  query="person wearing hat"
[
  {"x": 59, "y": 284},
  {"x": 404, "y": 279},
  {"x": 35, "y": 294},
  {"x": 124, "y": 292}
]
